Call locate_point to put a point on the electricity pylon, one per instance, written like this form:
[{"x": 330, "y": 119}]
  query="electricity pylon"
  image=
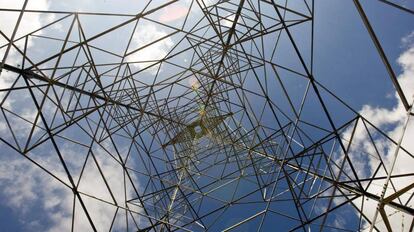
[{"x": 198, "y": 116}]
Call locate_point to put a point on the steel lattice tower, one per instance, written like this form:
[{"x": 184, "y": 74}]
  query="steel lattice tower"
[{"x": 229, "y": 129}]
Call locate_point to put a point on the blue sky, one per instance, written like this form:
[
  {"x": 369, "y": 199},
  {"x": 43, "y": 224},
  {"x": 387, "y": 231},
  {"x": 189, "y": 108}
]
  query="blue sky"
[
  {"x": 345, "y": 62},
  {"x": 348, "y": 45}
]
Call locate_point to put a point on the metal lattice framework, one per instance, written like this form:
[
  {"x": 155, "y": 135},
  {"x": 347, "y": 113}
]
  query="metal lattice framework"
[{"x": 228, "y": 130}]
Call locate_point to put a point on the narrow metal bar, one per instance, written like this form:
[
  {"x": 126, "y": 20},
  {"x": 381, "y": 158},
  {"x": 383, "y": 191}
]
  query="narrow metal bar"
[
  {"x": 16, "y": 27},
  {"x": 382, "y": 198},
  {"x": 381, "y": 52}
]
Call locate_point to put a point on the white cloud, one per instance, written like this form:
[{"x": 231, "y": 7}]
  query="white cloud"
[
  {"x": 228, "y": 21},
  {"x": 145, "y": 34},
  {"x": 29, "y": 23},
  {"x": 26, "y": 186},
  {"x": 392, "y": 122},
  {"x": 408, "y": 40},
  {"x": 20, "y": 181}
]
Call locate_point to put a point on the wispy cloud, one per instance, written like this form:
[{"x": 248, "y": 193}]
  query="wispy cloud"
[
  {"x": 29, "y": 23},
  {"x": 25, "y": 186},
  {"x": 147, "y": 52},
  {"x": 392, "y": 121}
]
